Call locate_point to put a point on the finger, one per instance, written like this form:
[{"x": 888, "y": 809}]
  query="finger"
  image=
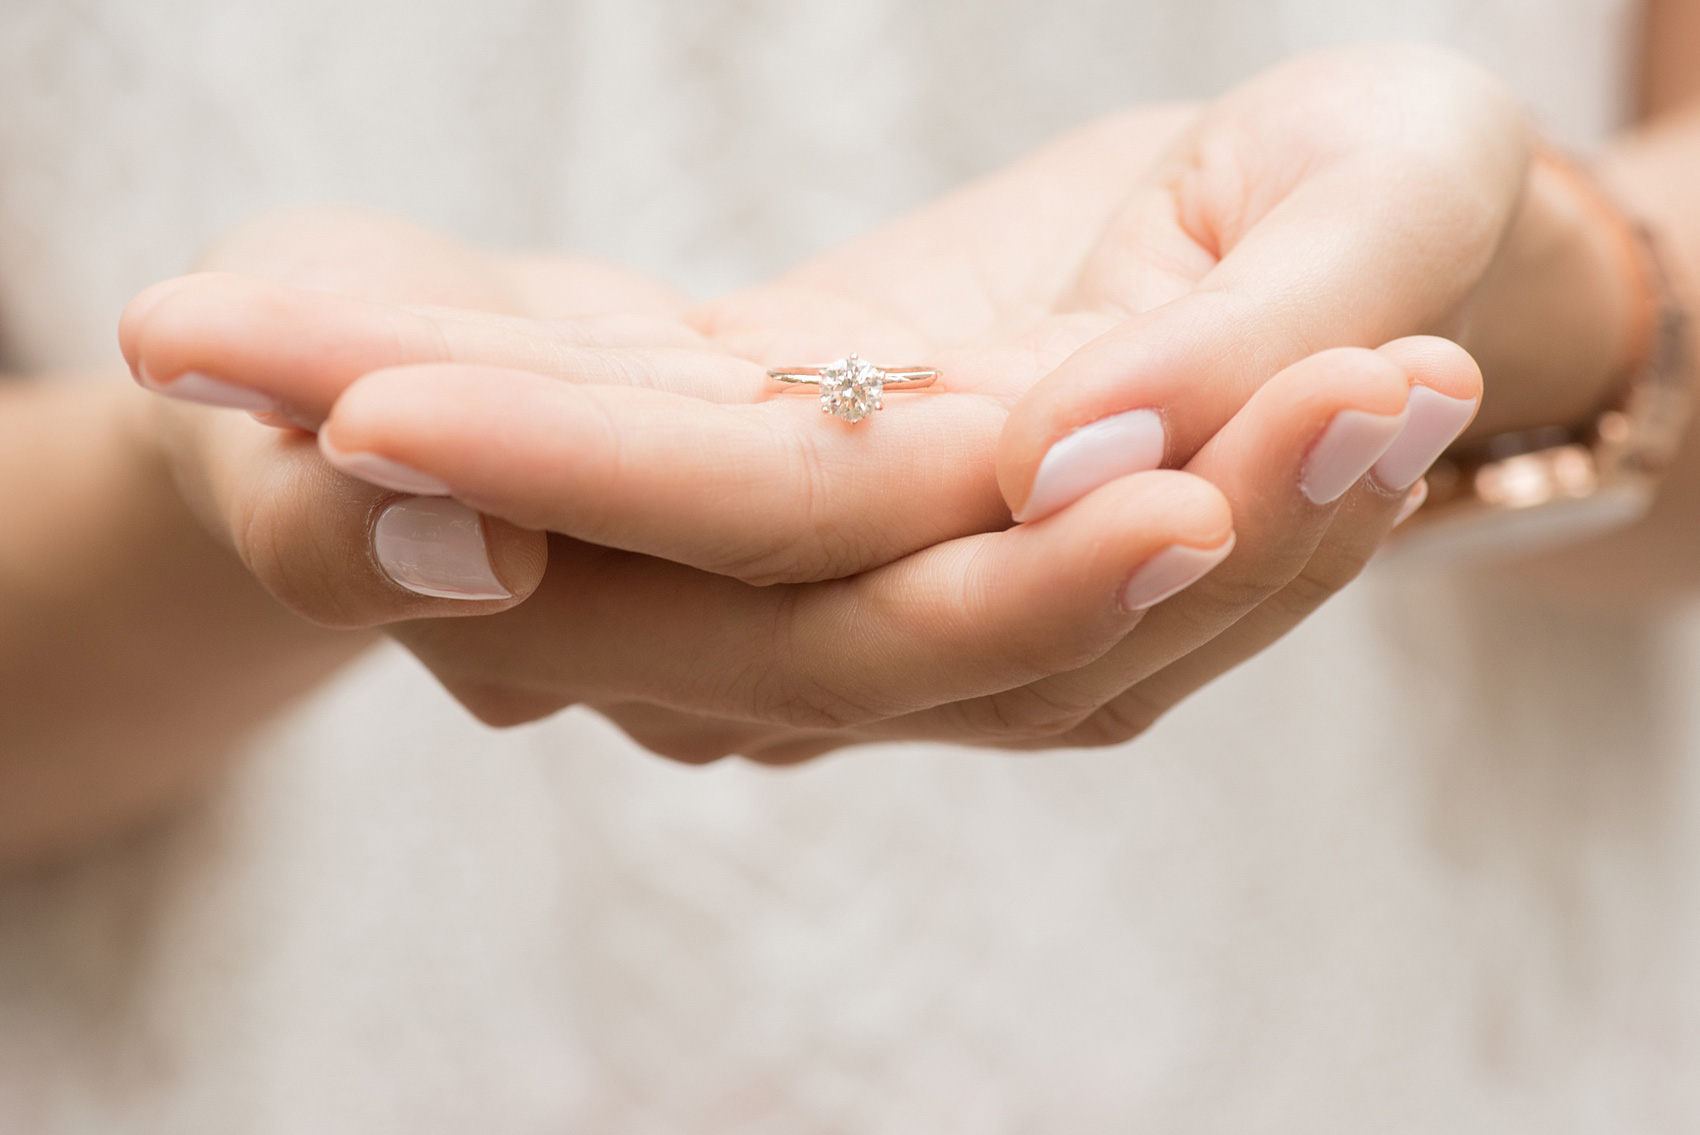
[
  {"x": 1360, "y": 525},
  {"x": 993, "y": 255},
  {"x": 259, "y": 345},
  {"x": 1315, "y": 245},
  {"x": 963, "y": 618},
  {"x": 1283, "y": 462},
  {"x": 1446, "y": 392},
  {"x": 765, "y": 492},
  {"x": 340, "y": 552}
]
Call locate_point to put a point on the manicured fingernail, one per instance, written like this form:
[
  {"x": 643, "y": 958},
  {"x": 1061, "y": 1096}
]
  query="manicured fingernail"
[
  {"x": 435, "y": 546},
  {"x": 1353, "y": 441},
  {"x": 1413, "y": 501},
  {"x": 1094, "y": 455},
  {"x": 381, "y": 471},
  {"x": 1173, "y": 569},
  {"x": 1435, "y": 421},
  {"x": 209, "y": 391}
]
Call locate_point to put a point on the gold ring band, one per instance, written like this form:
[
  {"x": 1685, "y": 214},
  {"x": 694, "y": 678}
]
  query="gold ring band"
[
  {"x": 896, "y": 378},
  {"x": 851, "y": 388}
]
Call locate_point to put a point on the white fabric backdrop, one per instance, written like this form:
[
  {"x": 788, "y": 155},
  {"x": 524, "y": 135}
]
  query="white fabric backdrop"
[{"x": 1427, "y": 866}]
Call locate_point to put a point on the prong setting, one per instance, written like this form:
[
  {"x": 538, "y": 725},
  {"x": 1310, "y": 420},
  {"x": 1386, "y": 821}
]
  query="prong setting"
[{"x": 850, "y": 388}]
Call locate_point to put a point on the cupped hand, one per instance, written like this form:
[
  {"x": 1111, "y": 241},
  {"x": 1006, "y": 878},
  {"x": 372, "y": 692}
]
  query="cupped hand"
[
  {"x": 998, "y": 286},
  {"x": 1342, "y": 199}
]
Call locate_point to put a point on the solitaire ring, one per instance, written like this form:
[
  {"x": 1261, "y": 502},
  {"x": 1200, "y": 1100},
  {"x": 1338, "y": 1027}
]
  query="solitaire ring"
[{"x": 851, "y": 388}]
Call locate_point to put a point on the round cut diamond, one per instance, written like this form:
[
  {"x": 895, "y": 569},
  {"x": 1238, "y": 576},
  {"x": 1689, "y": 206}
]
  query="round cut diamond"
[{"x": 851, "y": 388}]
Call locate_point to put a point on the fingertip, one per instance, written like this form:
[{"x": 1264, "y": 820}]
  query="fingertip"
[
  {"x": 1358, "y": 377},
  {"x": 439, "y": 548},
  {"x": 406, "y": 412},
  {"x": 1437, "y": 363},
  {"x": 1200, "y": 512},
  {"x": 142, "y": 306},
  {"x": 1135, "y": 517},
  {"x": 518, "y": 556},
  {"x": 1146, "y": 537},
  {"x": 1445, "y": 394},
  {"x": 1120, "y": 381},
  {"x": 376, "y": 469},
  {"x": 1309, "y": 433},
  {"x": 1169, "y": 572},
  {"x": 170, "y": 332},
  {"x": 360, "y": 418},
  {"x": 1093, "y": 455},
  {"x": 1303, "y": 401}
]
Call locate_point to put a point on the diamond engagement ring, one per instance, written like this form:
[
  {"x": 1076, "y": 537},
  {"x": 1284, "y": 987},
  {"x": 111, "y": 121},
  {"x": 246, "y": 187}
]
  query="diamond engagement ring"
[{"x": 851, "y": 388}]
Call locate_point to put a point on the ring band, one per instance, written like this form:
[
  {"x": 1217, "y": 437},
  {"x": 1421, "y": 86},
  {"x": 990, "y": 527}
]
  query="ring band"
[{"x": 851, "y": 388}]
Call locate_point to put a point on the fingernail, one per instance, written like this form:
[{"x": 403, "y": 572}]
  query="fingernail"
[
  {"x": 1173, "y": 569},
  {"x": 435, "y": 546},
  {"x": 1094, "y": 455},
  {"x": 1413, "y": 501},
  {"x": 1435, "y": 421},
  {"x": 1353, "y": 441},
  {"x": 381, "y": 471},
  {"x": 208, "y": 391}
]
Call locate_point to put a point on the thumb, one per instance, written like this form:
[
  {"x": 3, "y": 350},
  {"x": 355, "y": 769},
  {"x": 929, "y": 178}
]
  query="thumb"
[
  {"x": 341, "y": 552},
  {"x": 1346, "y": 199}
]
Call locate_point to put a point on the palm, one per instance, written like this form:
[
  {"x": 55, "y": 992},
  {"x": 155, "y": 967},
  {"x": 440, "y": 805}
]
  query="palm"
[{"x": 1003, "y": 279}]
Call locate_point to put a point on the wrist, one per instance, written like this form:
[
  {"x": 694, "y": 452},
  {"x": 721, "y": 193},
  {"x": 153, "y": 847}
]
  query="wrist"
[
  {"x": 1563, "y": 313},
  {"x": 1570, "y": 469}
]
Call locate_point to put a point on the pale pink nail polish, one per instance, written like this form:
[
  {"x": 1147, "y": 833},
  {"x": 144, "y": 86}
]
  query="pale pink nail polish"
[
  {"x": 1434, "y": 422},
  {"x": 209, "y": 391},
  {"x": 435, "y": 546},
  {"x": 1173, "y": 569},
  {"x": 381, "y": 471},
  {"x": 1413, "y": 501},
  {"x": 1353, "y": 442},
  {"x": 1094, "y": 455}
]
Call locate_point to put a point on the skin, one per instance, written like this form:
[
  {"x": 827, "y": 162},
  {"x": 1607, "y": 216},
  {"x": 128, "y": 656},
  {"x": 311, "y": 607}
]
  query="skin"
[
  {"x": 1013, "y": 633},
  {"x": 1036, "y": 660}
]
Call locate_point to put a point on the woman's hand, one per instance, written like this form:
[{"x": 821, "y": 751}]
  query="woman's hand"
[
  {"x": 1047, "y": 634},
  {"x": 1339, "y": 200},
  {"x": 307, "y": 533},
  {"x": 913, "y": 285}
]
